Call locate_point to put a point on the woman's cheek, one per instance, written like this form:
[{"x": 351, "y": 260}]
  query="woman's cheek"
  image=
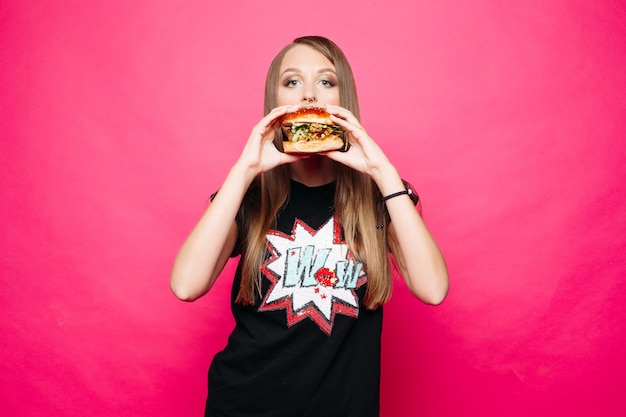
[
  {"x": 332, "y": 99},
  {"x": 287, "y": 97}
]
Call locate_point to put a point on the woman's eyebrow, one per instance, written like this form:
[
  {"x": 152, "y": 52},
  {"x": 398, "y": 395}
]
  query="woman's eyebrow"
[
  {"x": 297, "y": 70},
  {"x": 290, "y": 70}
]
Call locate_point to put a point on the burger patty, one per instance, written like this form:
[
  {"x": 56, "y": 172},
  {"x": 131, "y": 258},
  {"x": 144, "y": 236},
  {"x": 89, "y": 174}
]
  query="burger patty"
[{"x": 313, "y": 131}]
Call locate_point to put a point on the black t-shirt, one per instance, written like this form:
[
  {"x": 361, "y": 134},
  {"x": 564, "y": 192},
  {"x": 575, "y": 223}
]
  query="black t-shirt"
[{"x": 308, "y": 347}]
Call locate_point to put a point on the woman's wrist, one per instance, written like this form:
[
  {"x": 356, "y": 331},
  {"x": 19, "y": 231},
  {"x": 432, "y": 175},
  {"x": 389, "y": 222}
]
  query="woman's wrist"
[
  {"x": 244, "y": 171},
  {"x": 388, "y": 179}
]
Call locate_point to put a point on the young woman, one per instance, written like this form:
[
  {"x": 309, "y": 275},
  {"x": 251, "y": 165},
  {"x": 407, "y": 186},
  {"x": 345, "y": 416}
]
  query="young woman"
[{"x": 315, "y": 236}]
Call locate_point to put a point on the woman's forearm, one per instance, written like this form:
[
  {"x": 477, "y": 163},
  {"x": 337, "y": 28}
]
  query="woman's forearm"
[
  {"x": 419, "y": 258},
  {"x": 207, "y": 248}
]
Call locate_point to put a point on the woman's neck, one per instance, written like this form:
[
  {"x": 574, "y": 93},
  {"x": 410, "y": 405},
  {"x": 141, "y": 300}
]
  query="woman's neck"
[{"x": 313, "y": 171}]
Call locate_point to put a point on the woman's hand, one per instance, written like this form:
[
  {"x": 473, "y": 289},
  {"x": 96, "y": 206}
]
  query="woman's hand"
[
  {"x": 418, "y": 257},
  {"x": 259, "y": 154},
  {"x": 364, "y": 154},
  {"x": 206, "y": 250}
]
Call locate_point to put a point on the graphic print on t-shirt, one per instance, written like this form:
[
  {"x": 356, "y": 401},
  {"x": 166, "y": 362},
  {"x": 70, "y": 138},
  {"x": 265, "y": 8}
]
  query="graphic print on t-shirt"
[{"x": 312, "y": 275}]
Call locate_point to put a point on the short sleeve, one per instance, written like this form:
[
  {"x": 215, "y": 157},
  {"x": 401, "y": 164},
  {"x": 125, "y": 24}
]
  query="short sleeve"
[
  {"x": 414, "y": 196},
  {"x": 241, "y": 226}
]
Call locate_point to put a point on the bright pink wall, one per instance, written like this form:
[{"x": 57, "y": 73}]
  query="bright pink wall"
[{"x": 118, "y": 119}]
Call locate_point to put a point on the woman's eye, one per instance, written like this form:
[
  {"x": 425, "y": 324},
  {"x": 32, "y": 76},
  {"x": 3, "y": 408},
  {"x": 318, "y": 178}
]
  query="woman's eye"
[
  {"x": 291, "y": 83},
  {"x": 328, "y": 83}
]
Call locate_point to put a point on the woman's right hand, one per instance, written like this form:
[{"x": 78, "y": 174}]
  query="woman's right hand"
[
  {"x": 209, "y": 245},
  {"x": 259, "y": 154}
]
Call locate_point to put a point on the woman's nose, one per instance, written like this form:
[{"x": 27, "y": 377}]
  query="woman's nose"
[{"x": 309, "y": 95}]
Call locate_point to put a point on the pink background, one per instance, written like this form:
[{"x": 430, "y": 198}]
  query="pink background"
[{"x": 118, "y": 119}]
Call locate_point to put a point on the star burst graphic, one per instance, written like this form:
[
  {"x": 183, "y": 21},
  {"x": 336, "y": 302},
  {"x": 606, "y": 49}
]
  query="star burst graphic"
[{"x": 312, "y": 275}]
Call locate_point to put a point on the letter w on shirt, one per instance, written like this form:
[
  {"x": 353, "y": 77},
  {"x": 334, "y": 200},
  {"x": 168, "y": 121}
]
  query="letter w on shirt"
[{"x": 303, "y": 263}]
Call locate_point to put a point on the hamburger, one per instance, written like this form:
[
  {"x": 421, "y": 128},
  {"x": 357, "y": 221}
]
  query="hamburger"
[{"x": 310, "y": 130}]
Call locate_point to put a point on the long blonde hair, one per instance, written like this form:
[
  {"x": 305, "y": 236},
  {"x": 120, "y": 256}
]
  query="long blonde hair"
[{"x": 357, "y": 198}]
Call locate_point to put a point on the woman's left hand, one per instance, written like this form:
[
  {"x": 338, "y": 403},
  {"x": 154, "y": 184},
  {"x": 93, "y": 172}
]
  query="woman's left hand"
[
  {"x": 364, "y": 154},
  {"x": 420, "y": 260}
]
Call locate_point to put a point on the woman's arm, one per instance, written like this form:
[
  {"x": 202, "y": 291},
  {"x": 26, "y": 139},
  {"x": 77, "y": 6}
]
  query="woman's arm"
[
  {"x": 417, "y": 255},
  {"x": 207, "y": 248},
  {"x": 419, "y": 259},
  {"x": 204, "y": 253}
]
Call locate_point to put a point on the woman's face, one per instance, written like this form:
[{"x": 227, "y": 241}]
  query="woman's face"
[{"x": 307, "y": 77}]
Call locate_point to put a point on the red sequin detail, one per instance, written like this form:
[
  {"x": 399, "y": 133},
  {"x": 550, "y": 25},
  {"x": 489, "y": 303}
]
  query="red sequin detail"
[{"x": 326, "y": 277}]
